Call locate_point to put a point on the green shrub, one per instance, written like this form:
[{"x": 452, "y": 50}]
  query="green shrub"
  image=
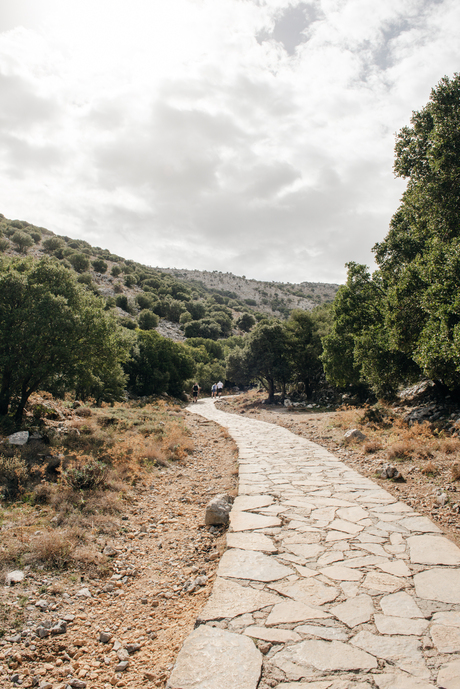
[
  {"x": 52, "y": 243},
  {"x": 116, "y": 270},
  {"x": 145, "y": 301},
  {"x": 22, "y": 240},
  {"x": 148, "y": 320},
  {"x": 100, "y": 266},
  {"x": 122, "y": 302},
  {"x": 4, "y": 244},
  {"x": 86, "y": 476},
  {"x": 80, "y": 262},
  {"x": 85, "y": 279}
]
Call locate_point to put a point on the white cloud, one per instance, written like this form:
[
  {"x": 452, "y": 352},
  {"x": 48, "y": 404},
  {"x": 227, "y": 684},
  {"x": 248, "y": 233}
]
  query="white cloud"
[{"x": 249, "y": 136}]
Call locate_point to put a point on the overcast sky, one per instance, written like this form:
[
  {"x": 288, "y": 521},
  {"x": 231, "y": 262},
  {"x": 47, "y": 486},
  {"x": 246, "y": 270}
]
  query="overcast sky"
[{"x": 250, "y": 136}]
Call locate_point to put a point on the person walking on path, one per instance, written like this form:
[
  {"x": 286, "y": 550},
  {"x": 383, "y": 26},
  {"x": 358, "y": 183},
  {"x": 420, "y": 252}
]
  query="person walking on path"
[
  {"x": 214, "y": 390},
  {"x": 220, "y": 386},
  {"x": 195, "y": 391}
]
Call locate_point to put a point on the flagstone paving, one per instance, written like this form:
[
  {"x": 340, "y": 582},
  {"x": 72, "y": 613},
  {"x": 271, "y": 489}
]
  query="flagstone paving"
[{"x": 328, "y": 581}]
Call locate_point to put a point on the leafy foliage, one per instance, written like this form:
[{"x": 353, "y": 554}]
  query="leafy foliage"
[
  {"x": 403, "y": 322},
  {"x": 54, "y": 334},
  {"x": 158, "y": 365}
]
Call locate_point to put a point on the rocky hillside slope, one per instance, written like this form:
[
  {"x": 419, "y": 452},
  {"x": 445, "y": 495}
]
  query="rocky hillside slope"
[{"x": 265, "y": 296}]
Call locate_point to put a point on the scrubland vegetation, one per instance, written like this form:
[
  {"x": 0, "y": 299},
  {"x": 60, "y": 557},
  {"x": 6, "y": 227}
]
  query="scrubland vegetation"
[{"x": 64, "y": 488}]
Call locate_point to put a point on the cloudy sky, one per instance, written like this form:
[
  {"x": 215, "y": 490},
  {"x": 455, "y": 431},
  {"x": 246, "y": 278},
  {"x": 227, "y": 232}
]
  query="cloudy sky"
[{"x": 251, "y": 136}]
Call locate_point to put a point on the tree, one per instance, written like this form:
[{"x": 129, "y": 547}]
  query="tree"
[
  {"x": 207, "y": 327},
  {"x": 404, "y": 320},
  {"x": 22, "y": 240},
  {"x": 264, "y": 358},
  {"x": 158, "y": 365},
  {"x": 52, "y": 244},
  {"x": 245, "y": 322},
  {"x": 304, "y": 346},
  {"x": 80, "y": 262},
  {"x": 148, "y": 320},
  {"x": 54, "y": 334},
  {"x": 99, "y": 265}
]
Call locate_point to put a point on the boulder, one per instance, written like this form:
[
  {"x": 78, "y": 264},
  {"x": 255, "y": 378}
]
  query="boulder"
[
  {"x": 218, "y": 510},
  {"x": 354, "y": 434},
  {"x": 388, "y": 471},
  {"x": 15, "y": 577},
  {"x": 19, "y": 438}
]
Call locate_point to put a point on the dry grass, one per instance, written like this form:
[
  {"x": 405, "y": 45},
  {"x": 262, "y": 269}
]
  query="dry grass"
[
  {"x": 404, "y": 450},
  {"x": 430, "y": 469},
  {"x": 51, "y": 549},
  {"x": 76, "y": 487},
  {"x": 372, "y": 446},
  {"x": 455, "y": 472},
  {"x": 177, "y": 444}
]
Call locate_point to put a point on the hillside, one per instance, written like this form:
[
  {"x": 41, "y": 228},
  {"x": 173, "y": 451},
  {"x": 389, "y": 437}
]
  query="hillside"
[
  {"x": 268, "y": 297},
  {"x": 179, "y": 303}
]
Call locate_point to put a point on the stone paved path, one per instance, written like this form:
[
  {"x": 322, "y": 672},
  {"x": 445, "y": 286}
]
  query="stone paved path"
[{"x": 340, "y": 585}]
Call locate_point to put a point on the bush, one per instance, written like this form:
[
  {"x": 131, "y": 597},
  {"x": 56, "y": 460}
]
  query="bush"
[
  {"x": 100, "y": 266},
  {"x": 85, "y": 279},
  {"x": 22, "y": 240},
  {"x": 36, "y": 236},
  {"x": 52, "y": 243},
  {"x": 80, "y": 262},
  {"x": 128, "y": 323},
  {"x": 86, "y": 476},
  {"x": 13, "y": 475},
  {"x": 130, "y": 280},
  {"x": 122, "y": 302},
  {"x": 4, "y": 244},
  {"x": 148, "y": 320},
  {"x": 145, "y": 301},
  {"x": 116, "y": 270}
]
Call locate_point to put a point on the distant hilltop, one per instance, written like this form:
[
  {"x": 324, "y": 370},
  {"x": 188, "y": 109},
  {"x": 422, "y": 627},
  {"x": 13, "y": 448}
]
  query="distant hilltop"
[
  {"x": 267, "y": 297},
  {"x": 179, "y": 303}
]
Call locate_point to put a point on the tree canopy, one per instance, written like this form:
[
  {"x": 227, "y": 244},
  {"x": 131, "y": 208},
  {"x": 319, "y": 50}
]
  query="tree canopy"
[
  {"x": 403, "y": 321},
  {"x": 54, "y": 335}
]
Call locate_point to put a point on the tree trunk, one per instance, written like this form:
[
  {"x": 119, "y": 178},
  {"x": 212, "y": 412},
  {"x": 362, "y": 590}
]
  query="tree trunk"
[
  {"x": 271, "y": 390},
  {"x": 5, "y": 393}
]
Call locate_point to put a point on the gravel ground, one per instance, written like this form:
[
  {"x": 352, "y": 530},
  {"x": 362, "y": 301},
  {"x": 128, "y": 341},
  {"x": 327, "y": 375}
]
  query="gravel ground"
[{"x": 162, "y": 572}]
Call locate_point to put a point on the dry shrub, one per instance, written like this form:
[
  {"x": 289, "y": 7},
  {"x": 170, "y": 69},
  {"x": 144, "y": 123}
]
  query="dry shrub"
[
  {"x": 51, "y": 549},
  {"x": 102, "y": 502},
  {"x": 430, "y": 469},
  {"x": 346, "y": 417},
  {"x": 84, "y": 412},
  {"x": 13, "y": 474},
  {"x": 372, "y": 446},
  {"x": 43, "y": 493},
  {"x": 177, "y": 444},
  {"x": 455, "y": 471},
  {"x": 419, "y": 431},
  {"x": 408, "y": 449},
  {"x": 451, "y": 446},
  {"x": 154, "y": 455},
  {"x": 87, "y": 557},
  {"x": 403, "y": 449}
]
